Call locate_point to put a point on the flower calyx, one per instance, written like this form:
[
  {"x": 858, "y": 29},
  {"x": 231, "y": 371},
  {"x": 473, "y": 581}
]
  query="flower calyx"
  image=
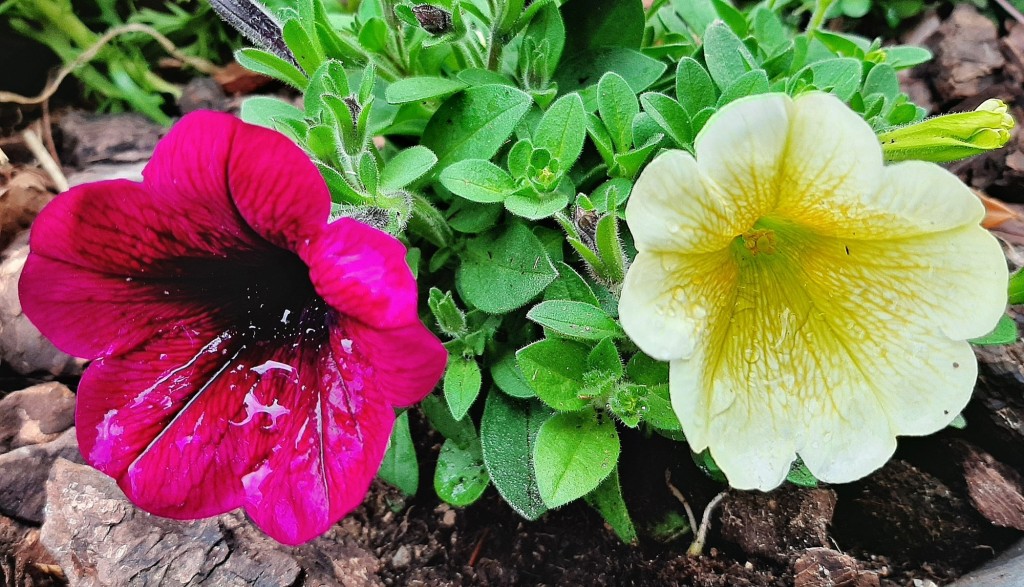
[{"x": 951, "y": 136}]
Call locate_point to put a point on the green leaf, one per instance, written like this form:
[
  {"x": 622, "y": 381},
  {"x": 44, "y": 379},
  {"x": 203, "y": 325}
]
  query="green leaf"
[
  {"x": 450, "y": 319},
  {"x": 415, "y": 89},
  {"x": 578, "y": 320},
  {"x": 534, "y": 205},
  {"x": 905, "y": 56},
  {"x": 508, "y": 434},
  {"x": 461, "y": 476},
  {"x": 374, "y": 35},
  {"x": 574, "y": 453},
  {"x": 500, "y": 273},
  {"x": 562, "y": 130},
  {"x": 1016, "y": 288},
  {"x": 272, "y": 66},
  {"x": 406, "y": 167},
  {"x": 618, "y": 107},
  {"x": 473, "y": 218},
  {"x": 800, "y": 475},
  {"x": 730, "y": 16},
  {"x": 602, "y": 23},
  {"x": 510, "y": 379},
  {"x": 607, "y": 500},
  {"x": 548, "y": 29},
  {"x": 1005, "y": 332},
  {"x": 749, "y": 84},
  {"x": 670, "y": 116},
  {"x": 605, "y": 358},
  {"x": 570, "y": 285},
  {"x": 726, "y": 55},
  {"x": 554, "y": 369},
  {"x": 841, "y": 76},
  {"x": 462, "y": 432},
  {"x": 264, "y": 111},
  {"x": 368, "y": 172},
  {"x": 659, "y": 412},
  {"x": 707, "y": 463},
  {"x": 855, "y": 8},
  {"x": 400, "y": 467},
  {"x": 769, "y": 31},
  {"x": 602, "y": 139},
  {"x": 647, "y": 371},
  {"x": 305, "y": 49},
  {"x": 461, "y": 385},
  {"x": 427, "y": 222},
  {"x": 697, "y": 14},
  {"x": 475, "y": 123},
  {"x": 478, "y": 180},
  {"x": 882, "y": 80},
  {"x": 609, "y": 248},
  {"x": 610, "y": 195},
  {"x": 582, "y": 71}
]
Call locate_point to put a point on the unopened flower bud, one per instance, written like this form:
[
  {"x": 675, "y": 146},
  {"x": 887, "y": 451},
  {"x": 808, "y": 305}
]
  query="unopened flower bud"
[
  {"x": 353, "y": 106},
  {"x": 434, "y": 20},
  {"x": 951, "y": 136}
]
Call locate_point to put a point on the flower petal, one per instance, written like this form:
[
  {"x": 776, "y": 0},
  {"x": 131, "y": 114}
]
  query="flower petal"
[
  {"x": 740, "y": 150},
  {"x": 830, "y": 351},
  {"x": 408, "y": 361},
  {"x": 214, "y": 158},
  {"x": 166, "y": 400},
  {"x": 104, "y": 265},
  {"x": 293, "y": 430},
  {"x": 361, "y": 272},
  {"x": 826, "y": 178},
  {"x": 318, "y": 466},
  {"x": 672, "y": 208},
  {"x": 667, "y": 299}
]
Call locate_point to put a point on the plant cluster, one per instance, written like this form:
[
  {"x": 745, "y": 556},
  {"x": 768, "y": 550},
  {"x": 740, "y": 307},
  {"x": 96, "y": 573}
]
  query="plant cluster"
[{"x": 515, "y": 132}]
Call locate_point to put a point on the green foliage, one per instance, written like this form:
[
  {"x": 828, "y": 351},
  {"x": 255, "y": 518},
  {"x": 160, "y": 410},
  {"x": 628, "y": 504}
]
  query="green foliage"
[
  {"x": 530, "y": 125},
  {"x": 120, "y": 76},
  {"x": 400, "y": 466}
]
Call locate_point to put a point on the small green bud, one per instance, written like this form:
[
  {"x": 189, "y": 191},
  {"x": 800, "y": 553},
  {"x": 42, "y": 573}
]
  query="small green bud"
[
  {"x": 450, "y": 319},
  {"x": 951, "y": 136}
]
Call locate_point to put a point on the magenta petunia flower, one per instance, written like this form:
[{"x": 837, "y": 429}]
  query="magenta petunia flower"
[{"x": 247, "y": 353}]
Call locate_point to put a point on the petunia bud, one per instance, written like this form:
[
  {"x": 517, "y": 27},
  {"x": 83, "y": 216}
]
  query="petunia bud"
[
  {"x": 434, "y": 20},
  {"x": 951, "y": 136}
]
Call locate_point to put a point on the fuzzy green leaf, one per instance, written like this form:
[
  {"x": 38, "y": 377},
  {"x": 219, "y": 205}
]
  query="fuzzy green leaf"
[
  {"x": 400, "y": 467},
  {"x": 508, "y": 434},
  {"x": 554, "y": 369},
  {"x": 478, "y": 180},
  {"x": 574, "y": 453},
  {"x": 475, "y": 123},
  {"x": 578, "y": 320},
  {"x": 502, "y": 272}
]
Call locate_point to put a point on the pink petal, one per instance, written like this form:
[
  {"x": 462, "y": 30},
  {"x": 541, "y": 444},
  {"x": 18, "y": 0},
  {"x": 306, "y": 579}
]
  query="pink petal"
[
  {"x": 165, "y": 400},
  {"x": 362, "y": 273},
  {"x": 408, "y": 361},
  {"x": 104, "y": 254},
  {"x": 294, "y": 430},
  {"x": 270, "y": 180}
]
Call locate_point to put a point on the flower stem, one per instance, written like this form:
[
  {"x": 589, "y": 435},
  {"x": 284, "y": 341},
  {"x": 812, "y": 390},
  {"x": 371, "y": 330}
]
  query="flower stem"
[
  {"x": 697, "y": 547},
  {"x": 818, "y": 16}
]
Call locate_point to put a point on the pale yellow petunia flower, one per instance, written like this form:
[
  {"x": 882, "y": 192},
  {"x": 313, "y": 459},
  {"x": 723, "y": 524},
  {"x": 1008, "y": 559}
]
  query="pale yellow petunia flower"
[{"x": 811, "y": 300}]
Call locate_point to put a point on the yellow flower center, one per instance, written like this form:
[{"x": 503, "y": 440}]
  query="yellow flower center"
[{"x": 759, "y": 241}]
